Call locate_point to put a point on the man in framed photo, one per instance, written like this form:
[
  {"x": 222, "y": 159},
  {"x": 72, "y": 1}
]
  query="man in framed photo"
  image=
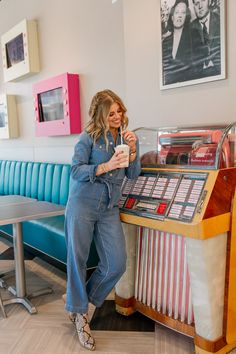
[
  {"x": 206, "y": 41},
  {"x": 165, "y": 13}
]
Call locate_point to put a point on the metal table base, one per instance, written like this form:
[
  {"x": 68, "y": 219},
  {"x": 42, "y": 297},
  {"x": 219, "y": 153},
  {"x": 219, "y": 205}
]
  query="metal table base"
[
  {"x": 15, "y": 210},
  {"x": 20, "y": 291},
  {"x": 25, "y": 301}
]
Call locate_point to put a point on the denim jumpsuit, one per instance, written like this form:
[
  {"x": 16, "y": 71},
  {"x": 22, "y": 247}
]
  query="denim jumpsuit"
[{"x": 92, "y": 213}]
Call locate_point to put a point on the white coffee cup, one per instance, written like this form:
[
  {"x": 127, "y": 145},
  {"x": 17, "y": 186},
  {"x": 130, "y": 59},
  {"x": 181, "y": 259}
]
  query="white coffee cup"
[{"x": 125, "y": 150}]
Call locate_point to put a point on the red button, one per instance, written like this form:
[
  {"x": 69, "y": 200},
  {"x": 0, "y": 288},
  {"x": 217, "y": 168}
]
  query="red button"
[
  {"x": 161, "y": 208},
  {"x": 129, "y": 203}
]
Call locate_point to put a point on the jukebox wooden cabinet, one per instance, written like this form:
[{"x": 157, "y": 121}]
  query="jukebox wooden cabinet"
[{"x": 179, "y": 221}]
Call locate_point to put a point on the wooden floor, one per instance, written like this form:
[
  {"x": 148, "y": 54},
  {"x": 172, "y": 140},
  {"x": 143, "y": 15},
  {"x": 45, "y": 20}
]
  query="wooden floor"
[{"x": 49, "y": 331}]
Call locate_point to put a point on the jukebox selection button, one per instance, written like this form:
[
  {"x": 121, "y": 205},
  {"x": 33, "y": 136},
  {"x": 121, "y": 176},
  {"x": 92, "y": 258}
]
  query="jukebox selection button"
[
  {"x": 161, "y": 208},
  {"x": 146, "y": 206},
  {"x": 129, "y": 203}
]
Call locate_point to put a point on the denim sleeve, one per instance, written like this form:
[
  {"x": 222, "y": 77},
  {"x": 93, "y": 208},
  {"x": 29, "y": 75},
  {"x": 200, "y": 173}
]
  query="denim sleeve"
[
  {"x": 134, "y": 169},
  {"x": 80, "y": 168}
]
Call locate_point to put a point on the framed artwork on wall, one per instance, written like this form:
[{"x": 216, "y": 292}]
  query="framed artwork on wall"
[
  {"x": 8, "y": 117},
  {"x": 192, "y": 42},
  {"x": 57, "y": 105},
  {"x": 20, "y": 53}
]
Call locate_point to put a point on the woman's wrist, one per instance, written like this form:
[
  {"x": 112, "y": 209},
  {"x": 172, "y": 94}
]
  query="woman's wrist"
[
  {"x": 102, "y": 168},
  {"x": 132, "y": 156},
  {"x": 105, "y": 167},
  {"x": 132, "y": 152}
]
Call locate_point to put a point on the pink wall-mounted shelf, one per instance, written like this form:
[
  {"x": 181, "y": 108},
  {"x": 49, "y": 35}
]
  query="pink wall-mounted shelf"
[{"x": 57, "y": 105}]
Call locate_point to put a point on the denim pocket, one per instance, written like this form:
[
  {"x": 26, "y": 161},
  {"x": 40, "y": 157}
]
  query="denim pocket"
[{"x": 100, "y": 153}]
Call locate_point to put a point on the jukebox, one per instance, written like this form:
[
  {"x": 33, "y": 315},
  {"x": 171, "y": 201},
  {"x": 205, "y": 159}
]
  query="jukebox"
[{"x": 179, "y": 219}]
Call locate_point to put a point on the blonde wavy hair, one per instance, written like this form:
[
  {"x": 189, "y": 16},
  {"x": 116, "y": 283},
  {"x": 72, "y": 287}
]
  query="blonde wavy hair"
[{"x": 98, "y": 112}]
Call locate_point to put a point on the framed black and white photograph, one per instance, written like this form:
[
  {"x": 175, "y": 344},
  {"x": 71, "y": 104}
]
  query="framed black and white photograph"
[
  {"x": 2, "y": 115},
  {"x": 8, "y": 117},
  {"x": 192, "y": 42}
]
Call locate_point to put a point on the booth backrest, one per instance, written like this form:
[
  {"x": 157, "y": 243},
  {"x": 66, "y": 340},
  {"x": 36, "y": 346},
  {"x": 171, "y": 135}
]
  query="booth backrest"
[{"x": 43, "y": 181}]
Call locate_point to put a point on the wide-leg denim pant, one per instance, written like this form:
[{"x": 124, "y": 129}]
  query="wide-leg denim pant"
[{"x": 87, "y": 219}]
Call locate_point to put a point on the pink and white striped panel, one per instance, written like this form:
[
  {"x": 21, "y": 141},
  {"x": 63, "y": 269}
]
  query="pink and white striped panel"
[{"x": 162, "y": 277}]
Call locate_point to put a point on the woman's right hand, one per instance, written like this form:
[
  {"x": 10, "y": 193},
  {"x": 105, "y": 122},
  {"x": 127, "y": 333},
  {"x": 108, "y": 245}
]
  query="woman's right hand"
[{"x": 116, "y": 161}]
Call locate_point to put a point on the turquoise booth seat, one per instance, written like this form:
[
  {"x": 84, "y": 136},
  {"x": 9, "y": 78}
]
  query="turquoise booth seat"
[{"x": 43, "y": 181}]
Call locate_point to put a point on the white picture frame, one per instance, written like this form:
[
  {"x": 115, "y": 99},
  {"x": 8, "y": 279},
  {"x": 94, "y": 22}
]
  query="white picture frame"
[
  {"x": 8, "y": 117},
  {"x": 180, "y": 66},
  {"x": 20, "y": 53}
]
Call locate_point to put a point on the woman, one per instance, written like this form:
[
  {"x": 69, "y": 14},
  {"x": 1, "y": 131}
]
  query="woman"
[
  {"x": 92, "y": 209},
  {"x": 177, "y": 47}
]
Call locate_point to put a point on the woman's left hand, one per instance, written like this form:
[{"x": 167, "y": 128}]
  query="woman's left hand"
[{"x": 130, "y": 139}]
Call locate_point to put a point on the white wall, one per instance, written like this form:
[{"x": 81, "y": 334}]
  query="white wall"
[
  {"x": 77, "y": 36},
  {"x": 111, "y": 46}
]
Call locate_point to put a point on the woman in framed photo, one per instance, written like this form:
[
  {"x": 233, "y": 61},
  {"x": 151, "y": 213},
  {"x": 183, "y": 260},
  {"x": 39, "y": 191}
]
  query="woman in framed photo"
[{"x": 177, "y": 46}]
